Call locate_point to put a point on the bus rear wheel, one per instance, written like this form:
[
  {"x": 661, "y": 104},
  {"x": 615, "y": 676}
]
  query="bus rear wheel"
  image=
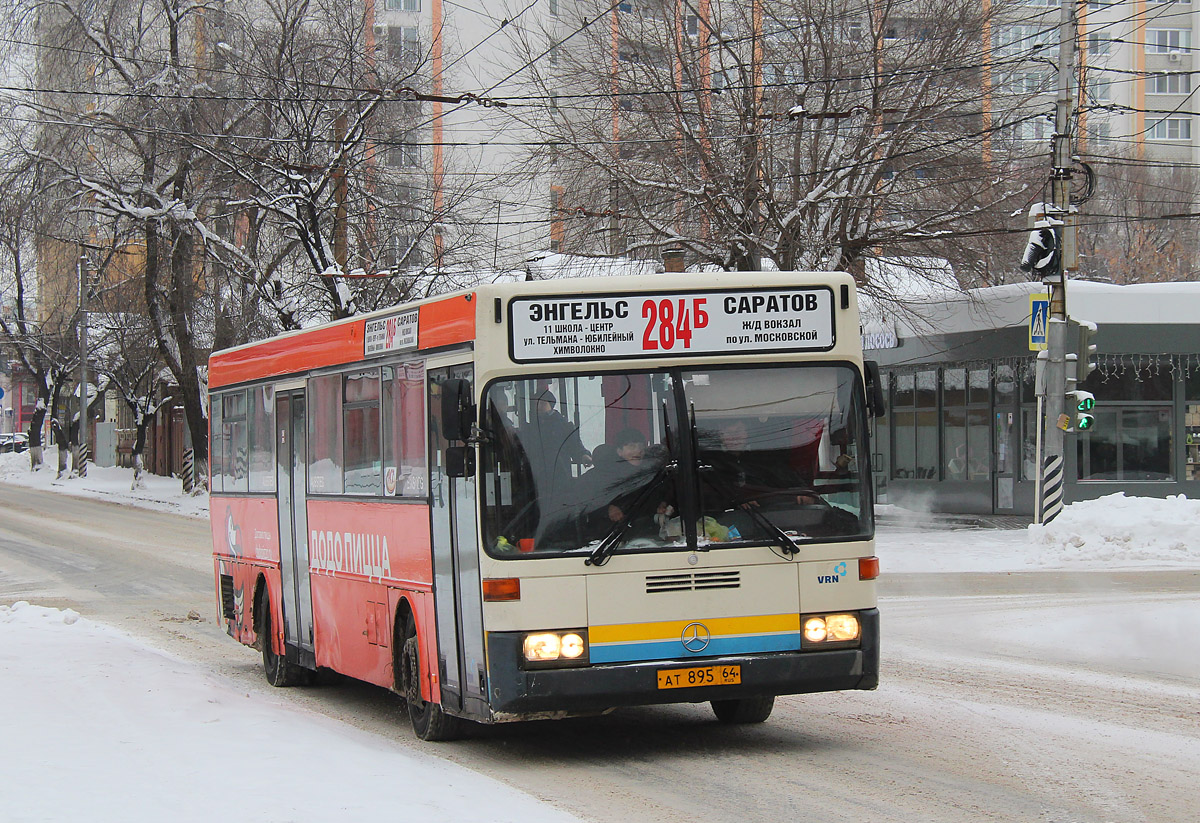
[
  {"x": 427, "y": 718},
  {"x": 744, "y": 710},
  {"x": 278, "y": 670}
]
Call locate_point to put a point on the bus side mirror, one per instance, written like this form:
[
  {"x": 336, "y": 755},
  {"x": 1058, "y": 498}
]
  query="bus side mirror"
[
  {"x": 875, "y": 403},
  {"x": 460, "y": 461},
  {"x": 458, "y": 412}
]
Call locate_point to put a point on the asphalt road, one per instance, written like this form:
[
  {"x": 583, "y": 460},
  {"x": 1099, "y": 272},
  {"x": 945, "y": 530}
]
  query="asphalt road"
[{"x": 969, "y": 723}]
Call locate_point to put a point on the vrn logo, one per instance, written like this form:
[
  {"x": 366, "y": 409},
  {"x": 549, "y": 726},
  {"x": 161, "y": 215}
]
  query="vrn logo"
[{"x": 838, "y": 572}]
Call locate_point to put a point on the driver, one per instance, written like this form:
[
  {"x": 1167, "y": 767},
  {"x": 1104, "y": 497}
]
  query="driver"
[{"x": 743, "y": 474}]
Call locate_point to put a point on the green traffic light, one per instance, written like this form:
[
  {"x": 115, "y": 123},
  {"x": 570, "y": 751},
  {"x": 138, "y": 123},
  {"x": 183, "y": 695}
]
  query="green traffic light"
[
  {"x": 1086, "y": 404},
  {"x": 1084, "y": 421}
]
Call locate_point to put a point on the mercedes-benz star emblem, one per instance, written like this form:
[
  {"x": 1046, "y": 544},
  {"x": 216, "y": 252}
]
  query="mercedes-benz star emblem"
[{"x": 696, "y": 637}]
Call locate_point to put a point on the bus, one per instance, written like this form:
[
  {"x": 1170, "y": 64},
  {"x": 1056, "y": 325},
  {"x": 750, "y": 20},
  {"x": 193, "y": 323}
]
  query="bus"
[{"x": 555, "y": 498}]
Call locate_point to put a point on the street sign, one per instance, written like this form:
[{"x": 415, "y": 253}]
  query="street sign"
[{"x": 1039, "y": 317}]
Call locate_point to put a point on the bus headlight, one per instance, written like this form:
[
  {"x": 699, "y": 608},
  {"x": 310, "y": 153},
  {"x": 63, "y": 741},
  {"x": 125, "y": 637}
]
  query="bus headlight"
[
  {"x": 826, "y": 630},
  {"x": 563, "y": 648}
]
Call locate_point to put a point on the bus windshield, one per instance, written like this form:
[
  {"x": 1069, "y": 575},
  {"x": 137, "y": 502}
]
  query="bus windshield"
[{"x": 649, "y": 461}]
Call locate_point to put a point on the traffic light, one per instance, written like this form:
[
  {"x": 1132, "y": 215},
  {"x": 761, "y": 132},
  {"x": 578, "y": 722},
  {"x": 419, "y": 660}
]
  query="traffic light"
[
  {"x": 1081, "y": 402},
  {"x": 1085, "y": 358},
  {"x": 1041, "y": 254}
]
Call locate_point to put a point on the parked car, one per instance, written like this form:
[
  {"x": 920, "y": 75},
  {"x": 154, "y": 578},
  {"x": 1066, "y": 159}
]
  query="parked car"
[{"x": 14, "y": 442}]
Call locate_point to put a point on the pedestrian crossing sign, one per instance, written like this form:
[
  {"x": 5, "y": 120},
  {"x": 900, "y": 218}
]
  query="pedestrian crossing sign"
[{"x": 1039, "y": 316}]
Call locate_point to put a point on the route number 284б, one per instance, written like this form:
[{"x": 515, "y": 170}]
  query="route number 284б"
[{"x": 672, "y": 320}]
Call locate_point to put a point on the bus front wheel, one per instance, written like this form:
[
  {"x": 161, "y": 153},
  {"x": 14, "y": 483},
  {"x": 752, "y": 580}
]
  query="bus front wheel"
[
  {"x": 428, "y": 719},
  {"x": 745, "y": 710}
]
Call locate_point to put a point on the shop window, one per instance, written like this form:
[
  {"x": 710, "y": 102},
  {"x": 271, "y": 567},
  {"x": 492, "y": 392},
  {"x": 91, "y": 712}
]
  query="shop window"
[
  {"x": 404, "y": 473},
  {"x": 1127, "y": 444},
  {"x": 915, "y": 426},
  {"x": 966, "y": 441}
]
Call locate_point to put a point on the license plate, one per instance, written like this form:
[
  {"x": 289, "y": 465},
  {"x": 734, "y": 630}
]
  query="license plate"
[{"x": 703, "y": 676}]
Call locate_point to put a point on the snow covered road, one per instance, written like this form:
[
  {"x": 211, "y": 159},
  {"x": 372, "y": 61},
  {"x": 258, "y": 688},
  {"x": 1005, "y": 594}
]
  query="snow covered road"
[{"x": 1049, "y": 688}]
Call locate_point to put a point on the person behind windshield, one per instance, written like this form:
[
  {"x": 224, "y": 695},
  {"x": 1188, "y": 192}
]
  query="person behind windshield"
[
  {"x": 618, "y": 483},
  {"x": 554, "y": 445},
  {"x": 744, "y": 478}
]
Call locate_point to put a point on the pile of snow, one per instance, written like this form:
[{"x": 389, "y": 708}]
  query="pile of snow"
[
  {"x": 104, "y": 483},
  {"x": 1120, "y": 531},
  {"x": 99, "y": 727}
]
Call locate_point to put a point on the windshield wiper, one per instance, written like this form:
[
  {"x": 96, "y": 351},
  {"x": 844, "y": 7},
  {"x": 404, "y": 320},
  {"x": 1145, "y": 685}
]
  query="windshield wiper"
[
  {"x": 786, "y": 543},
  {"x": 608, "y": 545}
]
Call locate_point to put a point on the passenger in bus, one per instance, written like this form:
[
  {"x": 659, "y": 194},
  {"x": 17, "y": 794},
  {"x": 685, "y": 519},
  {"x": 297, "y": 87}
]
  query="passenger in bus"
[{"x": 553, "y": 444}]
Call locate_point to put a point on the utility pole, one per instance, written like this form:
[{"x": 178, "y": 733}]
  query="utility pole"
[
  {"x": 1062, "y": 220},
  {"x": 81, "y": 445}
]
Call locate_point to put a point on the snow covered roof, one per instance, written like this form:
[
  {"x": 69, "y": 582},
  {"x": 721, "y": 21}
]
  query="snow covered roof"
[{"x": 1007, "y": 306}]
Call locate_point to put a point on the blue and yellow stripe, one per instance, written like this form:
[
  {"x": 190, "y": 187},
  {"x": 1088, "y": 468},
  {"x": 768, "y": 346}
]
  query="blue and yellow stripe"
[{"x": 630, "y": 642}]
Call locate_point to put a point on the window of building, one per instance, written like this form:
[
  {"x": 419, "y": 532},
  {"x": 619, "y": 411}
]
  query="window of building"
[
  {"x": 1172, "y": 128},
  {"x": 404, "y": 153},
  {"x": 404, "y": 472},
  {"x": 1127, "y": 444},
  {"x": 915, "y": 426},
  {"x": 1165, "y": 41},
  {"x": 554, "y": 7},
  {"x": 1099, "y": 89},
  {"x": 1098, "y": 44},
  {"x": 1169, "y": 83},
  {"x": 965, "y": 427},
  {"x": 693, "y": 25},
  {"x": 404, "y": 45},
  {"x": 1031, "y": 82},
  {"x": 1133, "y": 435},
  {"x": 1012, "y": 41}
]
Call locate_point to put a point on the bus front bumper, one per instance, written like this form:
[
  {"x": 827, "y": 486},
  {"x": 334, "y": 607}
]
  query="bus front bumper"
[{"x": 516, "y": 693}]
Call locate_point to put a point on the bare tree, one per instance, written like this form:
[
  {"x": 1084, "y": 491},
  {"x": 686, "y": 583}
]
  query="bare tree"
[
  {"x": 37, "y": 323},
  {"x": 1127, "y": 233},
  {"x": 814, "y": 134}
]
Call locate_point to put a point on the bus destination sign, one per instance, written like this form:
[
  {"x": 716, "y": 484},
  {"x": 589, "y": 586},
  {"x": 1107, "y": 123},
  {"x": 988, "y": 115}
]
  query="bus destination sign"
[
  {"x": 590, "y": 327},
  {"x": 397, "y": 332}
]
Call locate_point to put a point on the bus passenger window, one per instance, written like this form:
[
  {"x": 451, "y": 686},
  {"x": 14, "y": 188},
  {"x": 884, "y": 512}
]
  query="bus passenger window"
[
  {"x": 234, "y": 428},
  {"x": 325, "y": 434},
  {"x": 261, "y": 417},
  {"x": 403, "y": 410},
  {"x": 361, "y": 415}
]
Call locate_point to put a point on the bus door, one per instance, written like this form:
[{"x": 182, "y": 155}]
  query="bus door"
[
  {"x": 291, "y": 480},
  {"x": 457, "y": 598}
]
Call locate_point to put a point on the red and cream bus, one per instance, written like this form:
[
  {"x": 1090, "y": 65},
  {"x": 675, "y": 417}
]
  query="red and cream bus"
[{"x": 541, "y": 499}]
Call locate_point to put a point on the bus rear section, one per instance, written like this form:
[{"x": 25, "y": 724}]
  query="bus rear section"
[{"x": 501, "y": 517}]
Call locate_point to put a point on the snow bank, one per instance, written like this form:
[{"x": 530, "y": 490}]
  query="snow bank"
[
  {"x": 98, "y": 727},
  {"x": 1118, "y": 530},
  {"x": 104, "y": 483}
]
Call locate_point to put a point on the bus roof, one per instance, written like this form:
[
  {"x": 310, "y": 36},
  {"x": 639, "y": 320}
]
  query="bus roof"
[{"x": 451, "y": 319}]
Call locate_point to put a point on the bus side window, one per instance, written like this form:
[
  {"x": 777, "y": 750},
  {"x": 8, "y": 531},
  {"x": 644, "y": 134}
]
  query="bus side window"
[
  {"x": 404, "y": 472},
  {"x": 325, "y": 434}
]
